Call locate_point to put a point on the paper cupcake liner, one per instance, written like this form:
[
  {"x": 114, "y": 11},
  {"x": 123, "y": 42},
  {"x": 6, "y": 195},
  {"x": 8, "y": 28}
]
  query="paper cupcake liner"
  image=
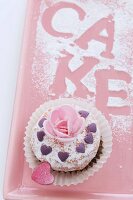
[{"x": 104, "y": 151}]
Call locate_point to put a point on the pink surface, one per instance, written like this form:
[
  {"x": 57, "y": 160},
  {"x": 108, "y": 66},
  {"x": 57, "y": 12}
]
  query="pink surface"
[{"x": 115, "y": 179}]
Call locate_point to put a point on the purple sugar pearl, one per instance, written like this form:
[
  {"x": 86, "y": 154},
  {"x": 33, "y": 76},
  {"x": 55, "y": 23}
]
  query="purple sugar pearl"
[
  {"x": 45, "y": 150},
  {"x": 80, "y": 148},
  {"x": 63, "y": 156},
  {"x": 40, "y": 123},
  {"x": 91, "y": 128},
  {"x": 83, "y": 113},
  {"x": 89, "y": 138},
  {"x": 40, "y": 135}
]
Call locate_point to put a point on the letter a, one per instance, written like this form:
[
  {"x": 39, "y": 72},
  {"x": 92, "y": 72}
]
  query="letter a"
[{"x": 93, "y": 33}]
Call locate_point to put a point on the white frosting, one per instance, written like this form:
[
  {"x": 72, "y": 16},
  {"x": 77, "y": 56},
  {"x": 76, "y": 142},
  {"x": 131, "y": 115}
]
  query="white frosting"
[{"x": 75, "y": 161}]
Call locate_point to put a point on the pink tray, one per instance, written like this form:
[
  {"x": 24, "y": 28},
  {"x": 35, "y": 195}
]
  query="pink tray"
[{"x": 103, "y": 30}]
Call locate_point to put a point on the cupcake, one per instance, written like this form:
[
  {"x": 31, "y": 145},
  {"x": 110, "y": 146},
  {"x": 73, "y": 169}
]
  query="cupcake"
[{"x": 63, "y": 138}]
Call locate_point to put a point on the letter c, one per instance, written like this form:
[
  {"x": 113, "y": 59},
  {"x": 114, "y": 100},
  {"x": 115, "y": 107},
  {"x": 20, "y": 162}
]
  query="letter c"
[{"x": 50, "y": 12}]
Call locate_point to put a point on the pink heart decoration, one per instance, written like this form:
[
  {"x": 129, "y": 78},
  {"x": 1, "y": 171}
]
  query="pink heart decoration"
[{"x": 42, "y": 174}]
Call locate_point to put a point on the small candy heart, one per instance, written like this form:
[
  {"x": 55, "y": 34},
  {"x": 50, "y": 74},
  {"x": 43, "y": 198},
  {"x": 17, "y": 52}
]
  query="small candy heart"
[
  {"x": 80, "y": 148},
  {"x": 40, "y": 135},
  {"x": 83, "y": 113},
  {"x": 63, "y": 156},
  {"x": 89, "y": 138},
  {"x": 40, "y": 123},
  {"x": 42, "y": 174},
  {"x": 45, "y": 150},
  {"x": 91, "y": 128}
]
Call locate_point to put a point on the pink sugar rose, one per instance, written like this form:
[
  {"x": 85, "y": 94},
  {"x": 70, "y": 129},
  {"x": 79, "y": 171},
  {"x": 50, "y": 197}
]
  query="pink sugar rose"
[{"x": 64, "y": 123}]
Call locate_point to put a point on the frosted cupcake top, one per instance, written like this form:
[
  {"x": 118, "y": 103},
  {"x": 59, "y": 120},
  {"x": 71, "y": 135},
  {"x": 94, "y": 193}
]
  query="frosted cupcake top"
[{"x": 66, "y": 136}]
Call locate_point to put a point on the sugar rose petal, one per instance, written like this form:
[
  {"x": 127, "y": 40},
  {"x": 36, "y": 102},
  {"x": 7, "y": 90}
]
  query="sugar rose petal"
[
  {"x": 67, "y": 112},
  {"x": 78, "y": 125},
  {"x": 60, "y": 134},
  {"x": 48, "y": 128},
  {"x": 55, "y": 118},
  {"x": 62, "y": 126}
]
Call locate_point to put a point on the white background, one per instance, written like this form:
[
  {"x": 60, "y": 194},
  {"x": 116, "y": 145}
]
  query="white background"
[{"x": 12, "y": 17}]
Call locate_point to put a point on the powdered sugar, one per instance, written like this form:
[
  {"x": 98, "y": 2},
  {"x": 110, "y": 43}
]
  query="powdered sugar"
[
  {"x": 52, "y": 48},
  {"x": 121, "y": 127}
]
